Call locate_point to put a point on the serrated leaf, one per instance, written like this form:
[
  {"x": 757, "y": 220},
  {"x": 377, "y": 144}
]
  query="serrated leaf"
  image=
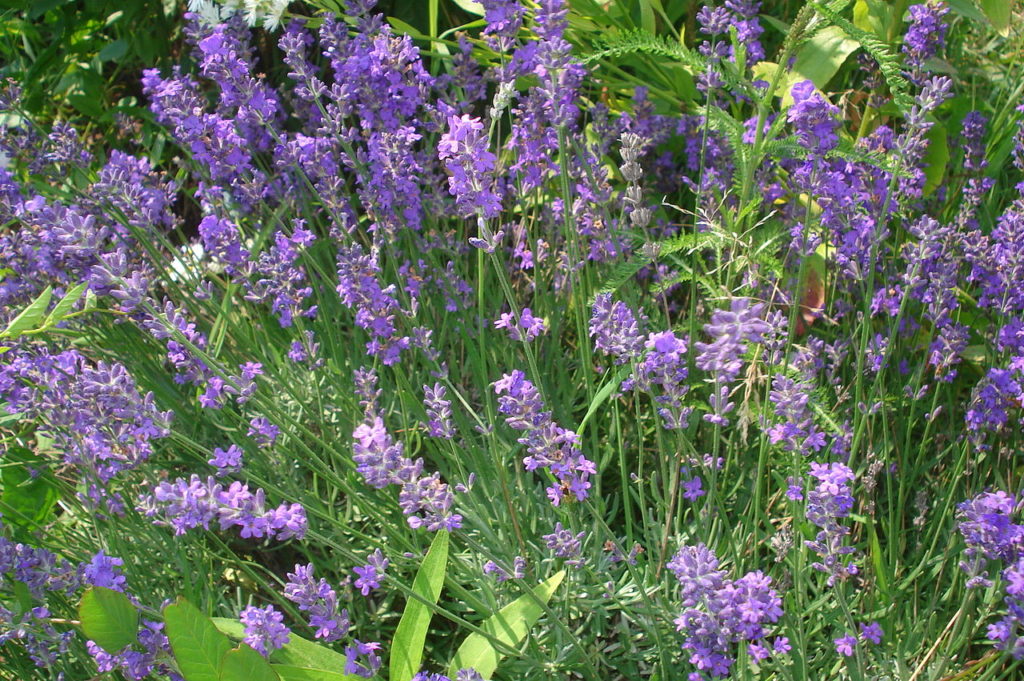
[
  {"x": 411, "y": 634},
  {"x": 300, "y": 659},
  {"x": 245, "y": 664},
  {"x": 30, "y": 316},
  {"x": 65, "y": 304},
  {"x": 509, "y": 625},
  {"x": 198, "y": 645},
  {"x": 108, "y": 618}
]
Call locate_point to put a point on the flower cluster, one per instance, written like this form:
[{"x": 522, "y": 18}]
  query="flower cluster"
[
  {"x": 264, "y": 629},
  {"x": 187, "y": 504},
  {"x": 927, "y": 33},
  {"x": 100, "y": 424},
  {"x": 424, "y": 499},
  {"x": 319, "y": 601},
  {"x": 730, "y": 330},
  {"x": 829, "y": 501},
  {"x": 548, "y": 445},
  {"x": 719, "y": 613}
]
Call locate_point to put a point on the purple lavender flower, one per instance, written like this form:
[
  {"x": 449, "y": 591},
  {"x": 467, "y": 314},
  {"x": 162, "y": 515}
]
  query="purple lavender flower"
[
  {"x": 518, "y": 569},
  {"x": 845, "y": 645},
  {"x": 548, "y": 445},
  {"x": 663, "y": 373},
  {"x": 731, "y": 330},
  {"x": 264, "y": 629},
  {"x": 871, "y": 632},
  {"x": 926, "y": 34},
  {"x": 104, "y": 570},
  {"x": 319, "y": 601},
  {"x": 719, "y": 613},
  {"x": 369, "y": 575},
  {"x": 263, "y": 431},
  {"x": 814, "y": 118},
  {"x": 986, "y": 524},
  {"x": 464, "y": 152},
  {"x": 369, "y": 666},
  {"x": 100, "y": 424},
  {"x": 827, "y": 503},
  {"x": 795, "y": 430},
  {"x": 693, "y": 488},
  {"x": 503, "y": 17},
  {"x": 438, "y": 411},
  {"x": 565, "y": 544},
  {"x": 185, "y": 505},
  {"x": 615, "y": 329},
  {"x": 527, "y": 329},
  {"x": 226, "y": 461},
  {"x": 424, "y": 499}
]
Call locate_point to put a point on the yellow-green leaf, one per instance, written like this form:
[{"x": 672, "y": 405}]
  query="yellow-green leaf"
[
  {"x": 108, "y": 618},
  {"x": 509, "y": 626},
  {"x": 245, "y": 664},
  {"x": 407, "y": 645},
  {"x": 197, "y": 644},
  {"x": 30, "y": 316}
]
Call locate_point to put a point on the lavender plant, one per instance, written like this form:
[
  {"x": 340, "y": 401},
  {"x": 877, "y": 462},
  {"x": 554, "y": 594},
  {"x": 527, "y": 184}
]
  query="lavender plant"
[{"x": 538, "y": 346}]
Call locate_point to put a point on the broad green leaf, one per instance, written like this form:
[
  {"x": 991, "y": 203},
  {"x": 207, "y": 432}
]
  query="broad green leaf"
[
  {"x": 26, "y": 501},
  {"x": 198, "y": 645},
  {"x": 108, "y": 618},
  {"x": 30, "y": 316},
  {"x": 407, "y": 646},
  {"x": 287, "y": 672},
  {"x": 65, "y": 304},
  {"x": 871, "y": 16},
  {"x": 113, "y": 51},
  {"x": 300, "y": 659},
  {"x": 998, "y": 12},
  {"x": 967, "y": 8},
  {"x": 470, "y": 6},
  {"x": 935, "y": 158},
  {"x": 509, "y": 625},
  {"x": 24, "y": 597},
  {"x": 245, "y": 664},
  {"x": 820, "y": 57}
]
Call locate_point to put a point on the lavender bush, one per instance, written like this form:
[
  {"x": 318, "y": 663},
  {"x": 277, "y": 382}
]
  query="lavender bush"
[{"x": 701, "y": 356}]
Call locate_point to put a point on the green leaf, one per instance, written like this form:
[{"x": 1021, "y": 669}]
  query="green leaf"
[
  {"x": 998, "y": 12},
  {"x": 509, "y": 625},
  {"x": 26, "y": 501},
  {"x": 198, "y": 645},
  {"x": 470, "y": 6},
  {"x": 24, "y": 597},
  {"x": 245, "y": 664},
  {"x": 967, "y": 9},
  {"x": 287, "y": 672},
  {"x": 407, "y": 646},
  {"x": 820, "y": 57},
  {"x": 108, "y": 618},
  {"x": 935, "y": 158},
  {"x": 30, "y": 316},
  {"x": 300, "y": 659},
  {"x": 871, "y": 16},
  {"x": 114, "y": 50},
  {"x": 65, "y": 304}
]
